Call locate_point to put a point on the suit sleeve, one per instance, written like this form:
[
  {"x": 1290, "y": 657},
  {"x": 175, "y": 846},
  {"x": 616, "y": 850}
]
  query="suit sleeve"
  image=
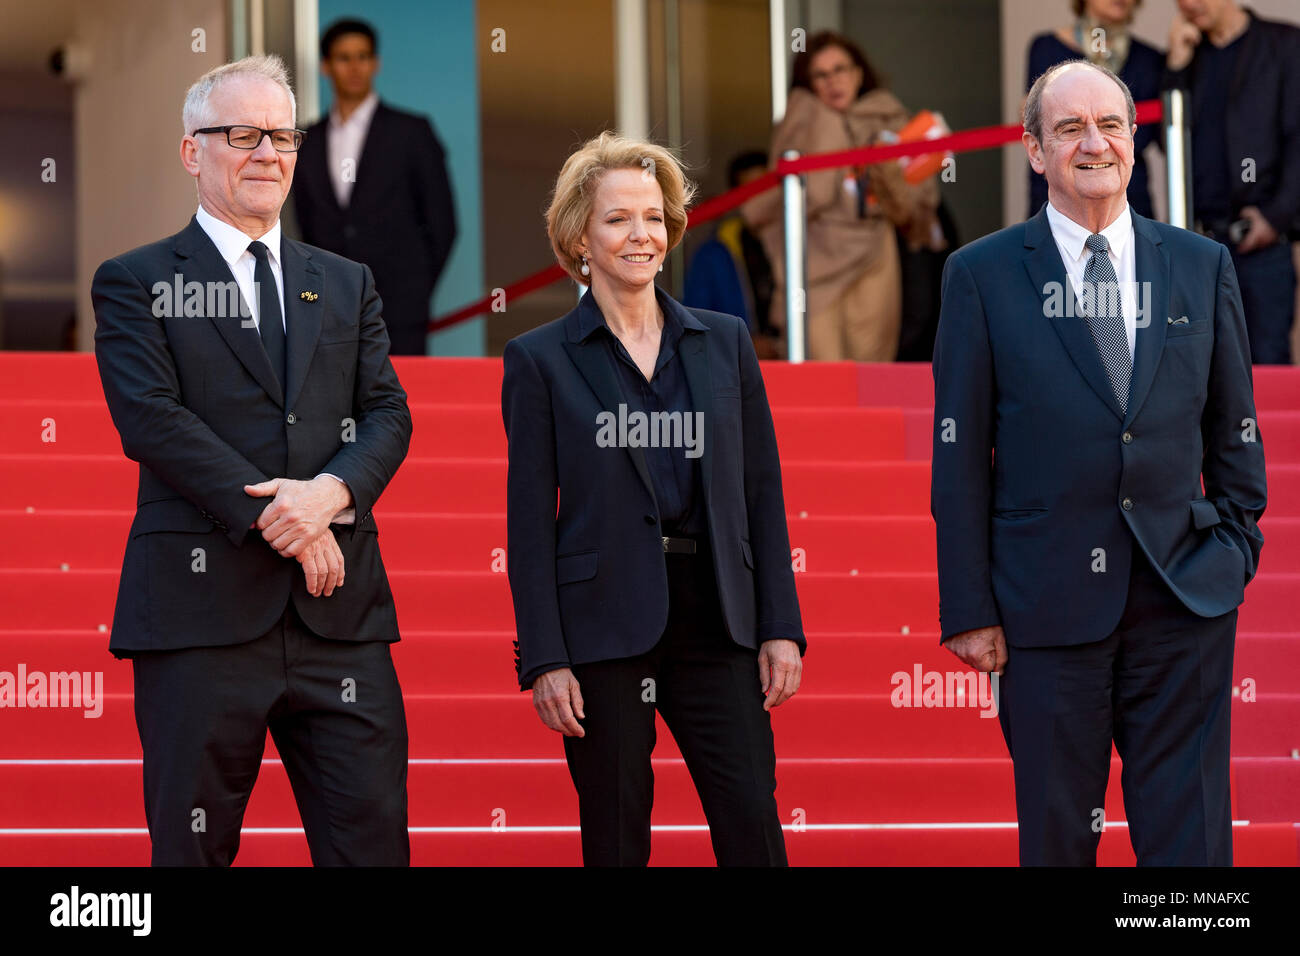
[
  {"x": 1282, "y": 208},
  {"x": 1039, "y": 60},
  {"x": 304, "y": 206},
  {"x": 144, "y": 398},
  {"x": 1233, "y": 467},
  {"x": 383, "y": 424},
  {"x": 778, "y": 602},
  {"x": 437, "y": 207},
  {"x": 532, "y": 483},
  {"x": 961, "y": 468}
]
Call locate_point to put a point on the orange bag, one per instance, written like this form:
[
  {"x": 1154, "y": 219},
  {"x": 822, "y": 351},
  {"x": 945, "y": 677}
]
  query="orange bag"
[{"x": 924, "y": 125}]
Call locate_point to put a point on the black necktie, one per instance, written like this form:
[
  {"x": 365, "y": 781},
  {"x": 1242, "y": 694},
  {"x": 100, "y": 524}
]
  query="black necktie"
[{"x": 269, "y": 319}]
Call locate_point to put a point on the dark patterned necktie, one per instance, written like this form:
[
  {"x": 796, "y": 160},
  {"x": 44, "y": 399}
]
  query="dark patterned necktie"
[
  {"x": 1105, "y": 318},
  {"x": 270, "y": 321}
]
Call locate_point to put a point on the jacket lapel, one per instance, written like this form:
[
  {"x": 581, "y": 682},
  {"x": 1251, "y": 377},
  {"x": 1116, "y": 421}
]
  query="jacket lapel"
[
  {"x": 314, "y": 156},
  {"x": 694, "y": 352},
  {"x": 203, "y": 260},
  {"x": 1047, "y": 272},
  {"x": 372, "y": 152},
  {"x": 1151, "y": 265},
  {"x": 302, "y": 318},
  {"x": 589, "y": 356},
  {"x": 1248, "y": 55}
]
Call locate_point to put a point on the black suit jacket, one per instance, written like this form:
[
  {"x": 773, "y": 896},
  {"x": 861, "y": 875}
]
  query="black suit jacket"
[
  {"x": 197, "y": 405},
  {"x": 1263, "y": 120},
  {"x": 1040, "y": 483},
  {"x": 588, "y": 578},
  {"x": 400, "y": 219}
]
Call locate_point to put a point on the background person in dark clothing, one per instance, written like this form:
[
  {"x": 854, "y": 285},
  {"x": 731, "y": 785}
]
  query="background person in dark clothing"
[
  {"x": 1243, "y": 74},
  {"x": 372, "y": 186},
  {"x": 1139, "y": 65},
  {"x": 729, "y": 272}
]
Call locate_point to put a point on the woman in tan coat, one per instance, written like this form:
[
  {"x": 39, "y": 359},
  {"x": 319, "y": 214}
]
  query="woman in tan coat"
[{"x": 853, "y": 299}]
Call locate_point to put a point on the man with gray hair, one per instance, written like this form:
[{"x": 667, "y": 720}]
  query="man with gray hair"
[
  {"x": 1091, "y": 372},
  {"x": 249, "y": 376}
]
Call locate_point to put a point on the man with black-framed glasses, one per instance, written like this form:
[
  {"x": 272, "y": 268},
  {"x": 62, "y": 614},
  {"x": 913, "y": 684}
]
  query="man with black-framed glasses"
[
  {"x": 248, "y": 374},
  {"x": 250, "y": 137}
]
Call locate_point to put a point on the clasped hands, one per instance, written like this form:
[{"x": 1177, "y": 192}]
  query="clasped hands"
[
  {"x": 296, "y": 523},
  {"x": 558, "y": 698}
]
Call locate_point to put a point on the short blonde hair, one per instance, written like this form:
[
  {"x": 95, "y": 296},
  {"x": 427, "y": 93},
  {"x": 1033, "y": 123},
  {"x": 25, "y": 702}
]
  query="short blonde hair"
[{"x": 575, "y": 191}]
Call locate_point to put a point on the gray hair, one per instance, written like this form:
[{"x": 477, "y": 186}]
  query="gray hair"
[
  {"x": 1033, "y": 117},
  {"x": 195, "y": 114}
]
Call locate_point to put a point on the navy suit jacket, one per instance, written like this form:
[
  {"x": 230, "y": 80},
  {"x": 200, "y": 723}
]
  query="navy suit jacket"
[
  {"x": 1039, "y": 482},
  {"x": 198, "y": 406},
  {"x": 587, "y": 576}
]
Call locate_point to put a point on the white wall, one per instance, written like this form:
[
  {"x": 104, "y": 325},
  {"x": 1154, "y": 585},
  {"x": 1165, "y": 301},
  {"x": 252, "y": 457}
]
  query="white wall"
[{"x": 131, "y": 187}]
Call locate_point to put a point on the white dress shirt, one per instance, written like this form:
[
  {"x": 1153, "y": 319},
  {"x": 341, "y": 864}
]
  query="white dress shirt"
[
  {"x": 345, "y": 139},
  {"x": 1070, "y": 240},
  {"x": 233, "y": 246}
]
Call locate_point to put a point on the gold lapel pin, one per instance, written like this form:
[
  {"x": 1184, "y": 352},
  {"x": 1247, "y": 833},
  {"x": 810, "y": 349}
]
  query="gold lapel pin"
[{"x": 309, "y": 296}]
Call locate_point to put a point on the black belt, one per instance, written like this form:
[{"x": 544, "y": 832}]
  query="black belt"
[
  {"x": 680, "y": 545},
  {"x": 1221, "y": 230}
]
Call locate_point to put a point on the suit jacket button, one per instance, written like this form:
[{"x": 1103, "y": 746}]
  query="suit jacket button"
[
  {"x": 1128, "y": 437},
  {"x": 292, "y": 418},
  {"x": 1127, "y": 504},
  {"x": 649, "y": 519}
]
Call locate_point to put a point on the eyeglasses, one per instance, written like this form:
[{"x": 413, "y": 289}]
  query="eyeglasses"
[
  {"x": 250, "y": 137},
  {"x": 821, "y": 76}
]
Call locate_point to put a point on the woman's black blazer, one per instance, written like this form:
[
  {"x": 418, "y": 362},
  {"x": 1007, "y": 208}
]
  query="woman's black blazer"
[{"x": 585, "y": 548}]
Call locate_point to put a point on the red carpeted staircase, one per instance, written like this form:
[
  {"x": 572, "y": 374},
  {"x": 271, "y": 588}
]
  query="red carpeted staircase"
[{"x": 860, "y": 780}]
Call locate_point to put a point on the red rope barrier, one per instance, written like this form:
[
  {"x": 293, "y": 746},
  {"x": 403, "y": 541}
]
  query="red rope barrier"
[{"x": 985, "y": 137}]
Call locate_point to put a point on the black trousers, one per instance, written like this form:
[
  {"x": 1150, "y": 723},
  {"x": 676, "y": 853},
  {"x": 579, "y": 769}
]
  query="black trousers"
[
  {"x": 1267, "y": 278},
  {"x": 406, "y": 316},
  {"x": 707, "y": 688},
  {"x": 1160, "y": 686},
  {"x": 334, "y": 709}
]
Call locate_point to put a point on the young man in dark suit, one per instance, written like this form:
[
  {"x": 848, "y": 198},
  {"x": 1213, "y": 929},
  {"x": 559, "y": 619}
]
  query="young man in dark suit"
[
  {"x": 248, "y": 374},
  {"x": 1091, "y": 372},
  {"x": 372, "y": 186}
]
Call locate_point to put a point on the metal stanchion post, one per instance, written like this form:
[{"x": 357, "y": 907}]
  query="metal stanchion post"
[
  {"x": 1178, "y": 158},
  {"x": 795, "y": 248}
]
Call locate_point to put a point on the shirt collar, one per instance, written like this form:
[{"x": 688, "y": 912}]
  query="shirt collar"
[
  {"x": 359, "y": 116},
  {"x": 231, "y": 242},
  {"x": 1074, "y": 237},
  {"x": 591, "y": 318}
]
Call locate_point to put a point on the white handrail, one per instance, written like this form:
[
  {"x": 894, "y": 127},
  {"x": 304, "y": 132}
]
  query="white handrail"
[
  {"x": 795, "y": 249},
  {"x": 1178, "y": 158}
]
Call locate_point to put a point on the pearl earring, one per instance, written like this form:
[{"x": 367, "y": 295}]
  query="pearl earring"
[
  {"x": 661, "y": 267},
  {"x": 586, "y": 269}
]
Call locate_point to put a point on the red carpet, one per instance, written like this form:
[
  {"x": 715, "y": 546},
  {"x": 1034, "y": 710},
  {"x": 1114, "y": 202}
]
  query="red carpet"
[{"x": 860, "y": 780}]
